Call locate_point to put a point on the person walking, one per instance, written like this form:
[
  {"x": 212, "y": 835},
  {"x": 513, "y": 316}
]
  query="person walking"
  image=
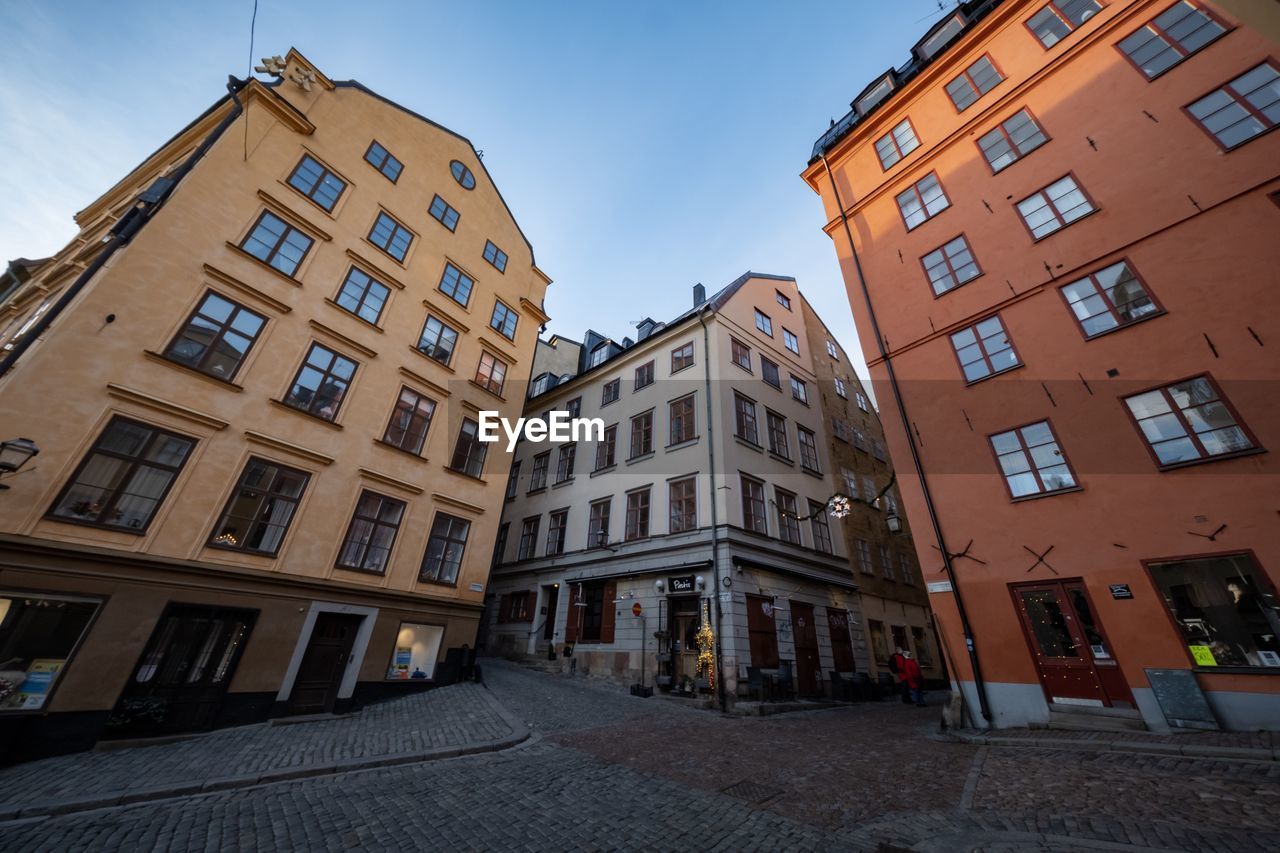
[
  {"x": 896, "y": 664},
  {"x": 913, "y": 678}
]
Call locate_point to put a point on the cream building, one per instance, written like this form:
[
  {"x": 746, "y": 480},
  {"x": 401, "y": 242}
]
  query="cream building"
[{"x": 253, "y": 378}]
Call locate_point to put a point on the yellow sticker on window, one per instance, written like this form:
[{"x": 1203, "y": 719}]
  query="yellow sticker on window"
[{"x": 1203, "y": 656}]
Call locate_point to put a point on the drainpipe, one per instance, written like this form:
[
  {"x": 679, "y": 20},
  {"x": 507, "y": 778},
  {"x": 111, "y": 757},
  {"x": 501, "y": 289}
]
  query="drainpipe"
[
  {"x": 125, "y": 229},
  {"x": 715, "y": 516},
  {"x": 915, "y": 456}
]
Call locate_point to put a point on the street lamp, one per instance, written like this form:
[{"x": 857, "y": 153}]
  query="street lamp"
[
  {"x": 15, "y": 453},
  {"x": 893, "y": 522}
]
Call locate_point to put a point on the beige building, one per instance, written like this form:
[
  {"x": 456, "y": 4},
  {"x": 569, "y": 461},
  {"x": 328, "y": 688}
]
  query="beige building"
[
  {"x": 253, "y": 379},
  {"x": 704, "y": 501}
]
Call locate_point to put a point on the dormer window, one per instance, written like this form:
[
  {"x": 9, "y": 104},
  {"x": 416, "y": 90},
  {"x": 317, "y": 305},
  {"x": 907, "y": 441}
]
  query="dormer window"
[
  {"x": 874, "y": 95},
  {"x": 599, "y": 354},
  {"x": 942, "y": 36}
]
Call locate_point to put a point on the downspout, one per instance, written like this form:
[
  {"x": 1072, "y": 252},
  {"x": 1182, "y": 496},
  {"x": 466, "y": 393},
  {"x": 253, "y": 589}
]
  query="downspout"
[
  {"x": 915, "y": 455},
  {"x": 715, "y": 516},
  {"x": 125, "y": 229}
]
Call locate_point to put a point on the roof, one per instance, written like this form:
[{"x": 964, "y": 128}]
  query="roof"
[{"x": 973, "y": 12}]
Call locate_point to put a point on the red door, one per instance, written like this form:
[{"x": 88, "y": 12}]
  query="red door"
[
  {"x": 841, "y": 645},
  {"x": 1071, "y": 652},
  {"x": 807, "y": 661}
]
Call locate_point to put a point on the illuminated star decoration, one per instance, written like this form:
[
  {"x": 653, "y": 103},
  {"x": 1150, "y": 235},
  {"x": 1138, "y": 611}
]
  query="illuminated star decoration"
[{"x": 839, "y": 506}]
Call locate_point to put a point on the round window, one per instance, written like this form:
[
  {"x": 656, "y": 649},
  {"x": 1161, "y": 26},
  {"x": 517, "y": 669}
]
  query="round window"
[{"x": 463, "y": 175}]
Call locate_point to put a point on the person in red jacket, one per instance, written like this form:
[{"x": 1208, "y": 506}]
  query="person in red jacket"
[{"x": 914, "y": 678}]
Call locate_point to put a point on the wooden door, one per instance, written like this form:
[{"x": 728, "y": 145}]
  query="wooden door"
[
  {"x": 762, "y": 632},
  {"x": 180, "y": 680},
  {"x": 808, "y": 664},
  {"x": 1070, "y": 651},
  {"x": 315, "y": 689},
  {"x": 841, "y": 644}
]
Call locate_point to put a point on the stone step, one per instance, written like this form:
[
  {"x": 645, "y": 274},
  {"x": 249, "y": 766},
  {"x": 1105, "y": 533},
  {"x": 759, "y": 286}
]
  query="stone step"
[{"x": 1092, "y": 719}]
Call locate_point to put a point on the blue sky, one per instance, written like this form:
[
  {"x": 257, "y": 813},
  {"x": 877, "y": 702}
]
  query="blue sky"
[{"x": 644, "y": 147}]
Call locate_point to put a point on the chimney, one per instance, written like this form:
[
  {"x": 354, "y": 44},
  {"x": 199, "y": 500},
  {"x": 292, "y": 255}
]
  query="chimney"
[{"x": 699, "y": 294}]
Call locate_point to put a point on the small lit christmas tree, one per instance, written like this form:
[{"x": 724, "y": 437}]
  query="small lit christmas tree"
[{"x": 706, "y": 643}]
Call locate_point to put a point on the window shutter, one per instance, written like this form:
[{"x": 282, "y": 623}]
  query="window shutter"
[
  {"x": 571, "y": 621},
  {"x": 608, "y": 612}
]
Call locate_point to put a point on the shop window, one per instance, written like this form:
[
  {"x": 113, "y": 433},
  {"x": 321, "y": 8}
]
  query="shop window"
[
  {"x": 1225, "y": 607},
  {"x": 924, "y": 655},
  {"x": 876, "y": 631},
  {"x": 417, "y": 647},
  {"x": 38, "y": 634}
]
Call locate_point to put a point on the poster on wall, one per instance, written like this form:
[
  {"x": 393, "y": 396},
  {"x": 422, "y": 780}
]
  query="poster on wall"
[
  {"x": 400, "y": 668},
  {"x": 40, "y": 675}
]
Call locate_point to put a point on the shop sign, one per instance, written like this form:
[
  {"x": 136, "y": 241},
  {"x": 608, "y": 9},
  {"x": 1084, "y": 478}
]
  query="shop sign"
[
  {"x": 1203, "y": 656},
  {"x": 683, "y": 583},
  {"x": 1120, "y": 590}
]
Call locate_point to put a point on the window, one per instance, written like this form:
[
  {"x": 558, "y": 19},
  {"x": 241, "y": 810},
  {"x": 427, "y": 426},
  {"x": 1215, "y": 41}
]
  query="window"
[
  {"x": 642, "y": 434},
  {"x": 886, "y": 565},
  {"x": 832, "y": 351},
  {"x": 741, "y": 354},
  {"x": 567, "y": 455},
  {"x": 1171, "y": 37},
  {"x": 922, "y": 201},
  {"x": 1224, "y": 606},
  {"x": 593, "y": 621},
  {"x": 941, "y": 37},
  {"x": 753, "y": 507},
  {"x": 1056, "y": 206},
  {"x": 1056, "y": 20},
  {"x": 777, "y": 426},
  {"x": 859, "y": 439},
  {"x": 217, "y": 337},
  {"x": 905, "y": 570},
  {"x": 438, "y": 340},
  {"x": 442, "y": 212},
  {"x": 513, "y": 481},
  {"x": 528, "y": 538},
  {"x": 363, "y": 296},
  {"x": 644, "y": 376},
  {"x": 637, "y": 514},
  {"x": 782, "y": 299},
  {"x": 896, "y": 144},
  {"x": 456, "y": 285},
  {"x": 683, "y": 504},
  {"x": 874, "y": 95},
  {"x": 769, "y": 373},
  {"x": 443, "y": 559},
  {"x": 744, "y": 413},
  {"x": 263, "y": 503},
  {"x": 410, "y": 421},
  {"x": 124, "y": 477},
  {"x": 1011, "y": 140},
  {"x": 573, "y": 408},
  {"x": 790, "y": 341},
  {"x": 974, "y": 82},
  {"x": 1188, "y": 421},
  {"x": 556, "y": 524},
  {"x": 861, "y": 400},
  {"x": 682, "y": 357},
  {"x": 684, "y": 425},
  {"x": 869, "y": 490},
  {"x": 372, "y": 532},
  {"x": 863, "y": 547},
  {"x": 984, "y": 349},
  {"x": 788, "y": 518},
  {"x": 820, "y": 527},
  {"x": 799, "y": 390},
  {"x": 877, "y": 449},
  {"x": 316, "y": 182},
  {"x": 462, "y": 175},
  {"x": 1031, "y": 461},
  {"x": 495, "y": 256},
  {"x": 598, "y": 524},
  {"x": 808, "y": 449},
  {"x": 469, "y": 451},
  {"x": 503, "y": 320},
  {"x": 610, "y": 392},
  {"x": 606, "y": 450},
  {"x": 491, "y": 373},
  {"x": 840, "y": 389},
  {"x": 37, "y": 631},
  {"x": 1109, "y": 298},
  {"x": 381, "y": 159},
  {"x": 321, "y": 383},
  {"x": 950, "y": 266},
  {"x": 840, "y": 429},
  {"x": 276, "y": 243},
  {"x": 1241, "y": 109},
  {"x": 538, "y": 476},
  {"x": 390, "y": 236},
  {"x": 516, "y": 607},
  {"x": 764, "y": 323}
]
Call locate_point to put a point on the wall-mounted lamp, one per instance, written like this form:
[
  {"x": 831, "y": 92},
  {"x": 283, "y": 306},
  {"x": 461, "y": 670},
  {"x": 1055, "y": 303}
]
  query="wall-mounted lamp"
[
  {"x": 660, "y": 585},
  {"x": 700, "y": 582},
  {"x": 893, "y": 523},
  {"x": 15, "y": 453}
]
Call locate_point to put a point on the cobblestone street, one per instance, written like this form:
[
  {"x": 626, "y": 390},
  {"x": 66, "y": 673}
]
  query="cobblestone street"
[{"x": 606, "y": 771}]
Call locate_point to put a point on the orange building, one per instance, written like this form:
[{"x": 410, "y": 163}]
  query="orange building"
[{"x": 1057, "y": 225}]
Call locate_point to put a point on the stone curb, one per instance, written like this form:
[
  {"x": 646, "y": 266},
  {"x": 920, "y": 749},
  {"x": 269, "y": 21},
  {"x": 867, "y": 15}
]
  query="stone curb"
[
  {"x": 519, "y": 734},
  {"x": 1236, "y": 753}
]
